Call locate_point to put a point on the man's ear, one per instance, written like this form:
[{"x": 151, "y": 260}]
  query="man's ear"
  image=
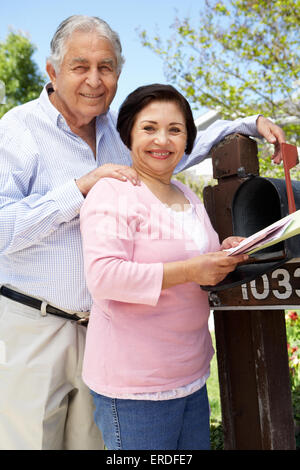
[{"x": 51, "y": 72}]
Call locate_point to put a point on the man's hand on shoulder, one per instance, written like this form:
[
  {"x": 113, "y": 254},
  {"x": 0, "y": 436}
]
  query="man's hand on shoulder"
[
  {"x": 108, "y": 170},
  {"x": 273, "y": 134}
]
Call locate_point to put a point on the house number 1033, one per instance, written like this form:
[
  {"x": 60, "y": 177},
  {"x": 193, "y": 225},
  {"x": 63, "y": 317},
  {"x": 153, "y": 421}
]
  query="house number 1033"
[{"x": 284, "y": 290}]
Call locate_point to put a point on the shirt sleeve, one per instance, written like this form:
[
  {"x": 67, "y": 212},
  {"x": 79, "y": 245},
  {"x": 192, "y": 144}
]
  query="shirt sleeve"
[
  {"x": 26, "y": 218},
  {"x": 108, "y": 246},
  {"x": 206, "y": 139}
]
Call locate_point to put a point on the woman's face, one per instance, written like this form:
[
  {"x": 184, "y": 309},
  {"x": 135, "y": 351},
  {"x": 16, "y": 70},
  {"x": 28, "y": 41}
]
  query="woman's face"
[{"x": 158, "y": 138}]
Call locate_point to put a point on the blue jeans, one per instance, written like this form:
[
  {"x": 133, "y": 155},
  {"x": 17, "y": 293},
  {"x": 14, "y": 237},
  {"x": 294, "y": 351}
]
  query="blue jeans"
[{"x": 177, "y": 424}]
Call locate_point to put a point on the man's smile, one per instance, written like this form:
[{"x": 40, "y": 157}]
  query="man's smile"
[{"x": 91, "y": 95}]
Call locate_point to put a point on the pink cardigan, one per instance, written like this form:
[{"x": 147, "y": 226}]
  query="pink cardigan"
[{"x": 141, "y": 338}]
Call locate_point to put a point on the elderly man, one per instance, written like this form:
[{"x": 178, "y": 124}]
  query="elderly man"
[{"x": 52, "y": 151}]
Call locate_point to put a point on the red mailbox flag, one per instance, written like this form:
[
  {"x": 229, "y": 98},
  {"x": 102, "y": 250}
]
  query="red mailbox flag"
[{"x": 290, "y": 159}]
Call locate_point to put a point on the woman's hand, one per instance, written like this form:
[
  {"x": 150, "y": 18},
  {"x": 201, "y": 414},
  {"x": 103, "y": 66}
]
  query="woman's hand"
[
  {"x": 212, "y": 268},
  {"x": 108, "y": 170},
  {"x": 205, "y": 270},
  {"x": 231, "y": 242}
]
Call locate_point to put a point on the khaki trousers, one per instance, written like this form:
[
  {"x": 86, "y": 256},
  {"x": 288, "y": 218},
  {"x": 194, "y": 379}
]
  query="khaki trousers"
[{"x": 44, "y": 404}]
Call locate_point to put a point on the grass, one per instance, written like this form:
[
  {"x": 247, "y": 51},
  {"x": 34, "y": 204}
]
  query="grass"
[
  {"x": 213, "y": 387},
  {"x": 216, "y": 430}
]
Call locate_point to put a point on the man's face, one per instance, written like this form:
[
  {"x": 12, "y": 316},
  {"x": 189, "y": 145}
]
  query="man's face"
[{"x": 87, "y": 80}]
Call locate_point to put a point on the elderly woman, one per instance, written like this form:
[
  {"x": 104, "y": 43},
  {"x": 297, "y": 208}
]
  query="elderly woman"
[{"x": 147, "y": 249}]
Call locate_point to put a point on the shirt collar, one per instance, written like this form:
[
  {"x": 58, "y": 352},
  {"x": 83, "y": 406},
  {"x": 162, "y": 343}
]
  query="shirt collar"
[{"x": 47, "y": 106}]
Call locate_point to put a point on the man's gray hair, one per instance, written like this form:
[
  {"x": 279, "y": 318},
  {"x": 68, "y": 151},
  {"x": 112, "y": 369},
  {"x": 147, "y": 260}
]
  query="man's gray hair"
[{"x": 86, "y": 24}]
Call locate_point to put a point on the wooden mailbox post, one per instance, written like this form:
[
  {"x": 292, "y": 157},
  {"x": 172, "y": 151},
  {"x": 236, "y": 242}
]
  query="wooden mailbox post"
[{"x": 250, "y": 324}]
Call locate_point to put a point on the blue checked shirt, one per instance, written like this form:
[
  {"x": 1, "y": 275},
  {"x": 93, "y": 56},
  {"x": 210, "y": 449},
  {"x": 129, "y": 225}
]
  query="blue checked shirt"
[{"x": 40, "y": 158}]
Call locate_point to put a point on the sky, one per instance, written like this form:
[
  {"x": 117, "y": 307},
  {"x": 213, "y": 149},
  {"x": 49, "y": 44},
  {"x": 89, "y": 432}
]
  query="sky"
[{"x": 40, "y": 19}]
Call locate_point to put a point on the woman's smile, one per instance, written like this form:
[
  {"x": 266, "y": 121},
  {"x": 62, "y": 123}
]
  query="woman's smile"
[{"x": 160, "y": 154}]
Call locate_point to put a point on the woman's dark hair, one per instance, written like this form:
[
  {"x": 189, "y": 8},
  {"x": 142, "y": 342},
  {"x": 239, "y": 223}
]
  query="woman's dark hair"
[{"x": 144, "y": 95}]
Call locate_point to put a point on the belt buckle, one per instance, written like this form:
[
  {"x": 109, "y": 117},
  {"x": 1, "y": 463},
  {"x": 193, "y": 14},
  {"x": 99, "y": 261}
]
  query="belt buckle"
[{"x": 83, "y": 321}]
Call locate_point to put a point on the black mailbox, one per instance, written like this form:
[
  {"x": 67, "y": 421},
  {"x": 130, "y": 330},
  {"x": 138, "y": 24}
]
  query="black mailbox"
[
  {"x": 257, "y": 203},
  {"x": 260, "y": 202}
]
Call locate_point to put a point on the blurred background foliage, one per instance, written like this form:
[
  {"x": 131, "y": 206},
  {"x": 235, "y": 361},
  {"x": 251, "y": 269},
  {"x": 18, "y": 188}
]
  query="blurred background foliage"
[{"x": 241, "y": 58}]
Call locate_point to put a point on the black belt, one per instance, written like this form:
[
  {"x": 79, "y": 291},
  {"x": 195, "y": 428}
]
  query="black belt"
[{"x": 36, "y": 303}]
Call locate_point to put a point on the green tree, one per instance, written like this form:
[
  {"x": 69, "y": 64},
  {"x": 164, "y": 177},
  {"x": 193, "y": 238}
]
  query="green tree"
[
  {"x": 241, "y": 58},
  {"x": 18, "y": 71}
]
